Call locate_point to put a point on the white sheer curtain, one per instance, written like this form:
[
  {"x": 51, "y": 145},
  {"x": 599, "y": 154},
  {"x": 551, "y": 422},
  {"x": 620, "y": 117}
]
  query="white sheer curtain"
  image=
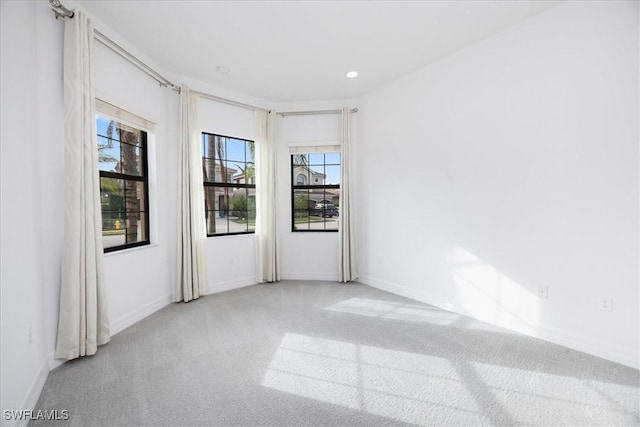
[
  {"x": 192, "y": 273},
  {"x": 346, "y": 251},
  {"x": 267, "y": 269},
  {"x": 83, "y": 323}
]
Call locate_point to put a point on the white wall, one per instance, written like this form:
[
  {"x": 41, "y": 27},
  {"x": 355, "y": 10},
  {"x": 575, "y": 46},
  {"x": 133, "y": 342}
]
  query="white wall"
[
  {"x": 305, "y": 255},
  {"x": 23, "y": 280},
  {"x": 230, "y": 259},
  {"x": 510, "y": 165},
  {"x": 140, "y": 280}
]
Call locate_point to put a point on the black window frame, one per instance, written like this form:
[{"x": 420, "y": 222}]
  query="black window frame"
[
  {"x": 128, "y": 177},
  {"x": 309, "y": 186},
  {"x": 227, "y": 185}
]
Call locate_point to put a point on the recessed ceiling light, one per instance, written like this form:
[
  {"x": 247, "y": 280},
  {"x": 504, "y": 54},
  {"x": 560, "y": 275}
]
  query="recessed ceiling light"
[{"x": 352, "y": 74}]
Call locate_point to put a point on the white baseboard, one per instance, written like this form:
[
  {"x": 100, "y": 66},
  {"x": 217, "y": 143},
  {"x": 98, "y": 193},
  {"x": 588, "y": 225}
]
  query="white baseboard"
[
  {"x": 403, "y": 291},
  {"x": 134, "y": 317},
  {"x": 329, "y": 277},
  {"x": 54, "y": 363},
  {"x": 556, "y": 336},
  {"x": 32, "y": 396},
  {"x": 228, "y": 285},
  {"x": 124, "y": 322}
]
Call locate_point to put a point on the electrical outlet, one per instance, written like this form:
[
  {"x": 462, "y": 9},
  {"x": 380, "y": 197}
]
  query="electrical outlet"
[
  {"x": 606, "y": 304},
  {"x": 543, "y": 292}
]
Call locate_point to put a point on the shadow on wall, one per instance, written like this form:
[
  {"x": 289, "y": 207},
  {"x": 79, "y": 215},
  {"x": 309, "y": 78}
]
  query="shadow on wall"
[{"x": 485, "y": 292}]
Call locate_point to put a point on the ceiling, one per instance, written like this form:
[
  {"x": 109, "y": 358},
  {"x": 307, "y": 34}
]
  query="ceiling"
[{"x": 301, "y": 50}]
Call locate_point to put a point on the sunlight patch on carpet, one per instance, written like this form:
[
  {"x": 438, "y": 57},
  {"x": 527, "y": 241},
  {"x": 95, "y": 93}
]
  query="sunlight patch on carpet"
[
  {"x": 394, "y": 311},
  {"x": 404, "y": 386}
]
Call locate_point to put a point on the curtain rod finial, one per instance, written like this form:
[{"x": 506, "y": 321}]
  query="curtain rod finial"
[{"x": 59, "y": 10}]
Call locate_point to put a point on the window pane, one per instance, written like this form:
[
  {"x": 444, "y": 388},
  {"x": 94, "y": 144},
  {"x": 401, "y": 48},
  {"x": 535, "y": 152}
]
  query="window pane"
[
  {"x": 217, "y": 222},
  {"x": 217, "y": 148},
  {"x": 332, "y": 224},
  {"x": 130, "y": 159},
  {"x": 300, "y": 159},
  {"x": 135, "y": 223},
  {"x": 216, "y": 206},
  {"x": 209, "y": 169},
  {"x": 331, "y": 208},
  {"x": 332, "y": 195},
  {"x": 316, "y": 195},
  {"x": 238, "y": 210},
  {"x": 212, "y": 171},
  {"x": 316, "y": 159},
  {"x": 128, "y": 134},
  {"x": 102, "y": 125},
  {"x": 251, "y": 152},
  {"x": 113, "y": 212},
  {"x": 250, "y": 174},
  {"x": 333, "y": 175},
  {"x": 134, "y": 195},
  {"x": 301, "y": 200},
  {"x": 317, "y": 224},
  {"x": 108, "y": 154},
  {"x": 332, "y": 158},
  {"x": 300, "y": 175},
  {"x": 235, "y": 172},
  {"x": 113, "y": 229},
  {"x": 119, "y": 147},
  {"x": 108, "y": 128},
  {"x": 301, "y": 219},
  {"x": 208, "y": 146},
  {"x": 301, "y": 209},
  {"x": 123, "y": 211},
  {"x": 316, "y": 175},
  {"x": 236, "y": 149},
  {"x": 251, "y": 207}
]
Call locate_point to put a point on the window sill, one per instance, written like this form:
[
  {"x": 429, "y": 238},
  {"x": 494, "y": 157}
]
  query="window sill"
[
  {"x": 124, "y": 251},
  {"x": 229, "y": 236}
]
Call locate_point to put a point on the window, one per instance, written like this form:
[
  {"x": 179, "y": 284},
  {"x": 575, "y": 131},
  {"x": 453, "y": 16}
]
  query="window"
[
  {"x": 124, "y": 195},
  {"x": 314, "y": 206},
  {"x": 228, "y": 168}
]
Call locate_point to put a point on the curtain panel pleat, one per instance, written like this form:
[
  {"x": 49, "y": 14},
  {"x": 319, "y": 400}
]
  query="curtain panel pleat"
[
  {"x": 267, "y": 262},
  {"x": 192, "y": 273},
  {"x": 83, "y": 323},
  {"x": 347, "y": 270}
]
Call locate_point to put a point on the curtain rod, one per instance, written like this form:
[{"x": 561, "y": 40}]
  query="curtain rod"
[
  {"x": 115, "y": 47},
  {"x": 229, "y": 101},
  {"x": 309, "y": 113},
  {"x": 62, "y": 12}
]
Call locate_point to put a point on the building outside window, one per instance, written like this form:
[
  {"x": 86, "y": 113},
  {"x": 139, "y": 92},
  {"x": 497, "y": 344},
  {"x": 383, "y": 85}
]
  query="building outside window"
[{"x": 315, "y": 191}]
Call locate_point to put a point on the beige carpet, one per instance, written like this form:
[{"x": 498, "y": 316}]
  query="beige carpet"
[{"x": 318, "y": 353}]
